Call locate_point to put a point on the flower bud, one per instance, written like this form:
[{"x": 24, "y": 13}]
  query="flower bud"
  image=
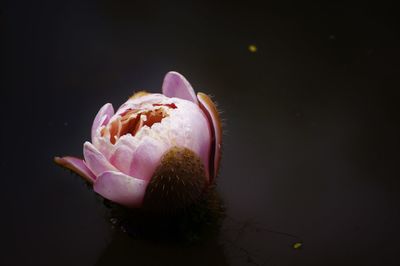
[{"x": 157, "y": 151}]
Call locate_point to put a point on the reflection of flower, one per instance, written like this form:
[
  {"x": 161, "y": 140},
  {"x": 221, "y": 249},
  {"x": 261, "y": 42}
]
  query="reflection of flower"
[{"x": 156, "y": 149}]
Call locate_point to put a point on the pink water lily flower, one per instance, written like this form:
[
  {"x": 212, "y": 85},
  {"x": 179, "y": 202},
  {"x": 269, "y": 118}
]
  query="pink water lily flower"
[{"x": 155, "y": 149}]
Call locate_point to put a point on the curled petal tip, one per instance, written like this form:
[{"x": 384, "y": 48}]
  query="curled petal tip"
[
  {"x": 76, "y": 165},
  {"x": 176, "y": 85},
  {"x": 209, "y": 108},
  {"x": 102, "y": 117}
]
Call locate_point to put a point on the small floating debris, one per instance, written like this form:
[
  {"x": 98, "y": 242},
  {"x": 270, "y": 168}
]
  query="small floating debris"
[
  {"x": 252, "y": 48},
  {"x": 113, "y": 221},
  {"x": 297, "y": 245}
]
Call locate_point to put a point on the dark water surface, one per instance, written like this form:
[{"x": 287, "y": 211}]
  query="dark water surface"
[{"x": 311, "y": 146}]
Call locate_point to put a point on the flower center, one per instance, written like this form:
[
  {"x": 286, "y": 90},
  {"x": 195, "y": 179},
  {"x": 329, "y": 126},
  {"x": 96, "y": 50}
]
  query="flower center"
[{"x": 132, "y": 120}]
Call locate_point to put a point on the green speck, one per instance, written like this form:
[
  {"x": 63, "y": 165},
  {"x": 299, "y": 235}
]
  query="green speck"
[{"x": 297, "y": 245}]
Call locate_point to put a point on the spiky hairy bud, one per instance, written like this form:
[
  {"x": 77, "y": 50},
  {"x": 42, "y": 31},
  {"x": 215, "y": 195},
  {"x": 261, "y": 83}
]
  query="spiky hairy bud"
[{"x": 177, "y": 183}]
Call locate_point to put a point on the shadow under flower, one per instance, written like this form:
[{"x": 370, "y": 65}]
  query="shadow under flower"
[
  {"x": 186, "y": 237},
  {"x": 125, "y": 250}
]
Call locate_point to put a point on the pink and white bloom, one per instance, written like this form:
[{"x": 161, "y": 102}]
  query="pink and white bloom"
[{"x": 128, "y": 145}]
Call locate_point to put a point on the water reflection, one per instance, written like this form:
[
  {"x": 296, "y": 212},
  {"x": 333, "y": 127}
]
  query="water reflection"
[
  {"x": 186, "y": 237},
  {"x": 237, "y": 242},
  {"x": 249, "y": 242},
  {"x": 125, "y": 250}
]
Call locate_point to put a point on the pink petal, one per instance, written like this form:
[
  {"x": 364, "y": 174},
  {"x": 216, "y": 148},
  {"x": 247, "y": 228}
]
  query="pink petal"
[
  {"x": 77, "y": 165},
  {"x": 211, "y": 112},
  {"x": 102, "y": 117},
  {"x": 175, "y": 85},
  {"x": 146, "y": 158},
  {"x": 203, "y": 142},
  {"x": 122, "y": 158},
  {"x": 121, "y": 188},
  {"x": 96, "y": 161}
]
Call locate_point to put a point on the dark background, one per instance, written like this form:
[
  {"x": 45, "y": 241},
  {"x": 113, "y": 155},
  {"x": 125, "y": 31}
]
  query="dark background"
[{"x": 311, "y": 144}]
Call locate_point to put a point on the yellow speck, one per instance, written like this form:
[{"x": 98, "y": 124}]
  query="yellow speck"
[
  {"x": 138, "y": 94},
  {"x": 252, "y": 48},
  {"x": 297, "y": 245}
]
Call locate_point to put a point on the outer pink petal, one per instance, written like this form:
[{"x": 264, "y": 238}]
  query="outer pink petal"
[
  {"x": 77, "y": 165},
  {"x": 121, "y": 188},
  {"x": 146, "y": 158},
  {"x": 204, "y": 144},
  {"x": 122, "y": 158},
  {"x": 211, "y": 112},
  {"x": 175, "y": 85},
  {"x": 96, "y": 161},
  {"x": 102, "y": 117}
]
